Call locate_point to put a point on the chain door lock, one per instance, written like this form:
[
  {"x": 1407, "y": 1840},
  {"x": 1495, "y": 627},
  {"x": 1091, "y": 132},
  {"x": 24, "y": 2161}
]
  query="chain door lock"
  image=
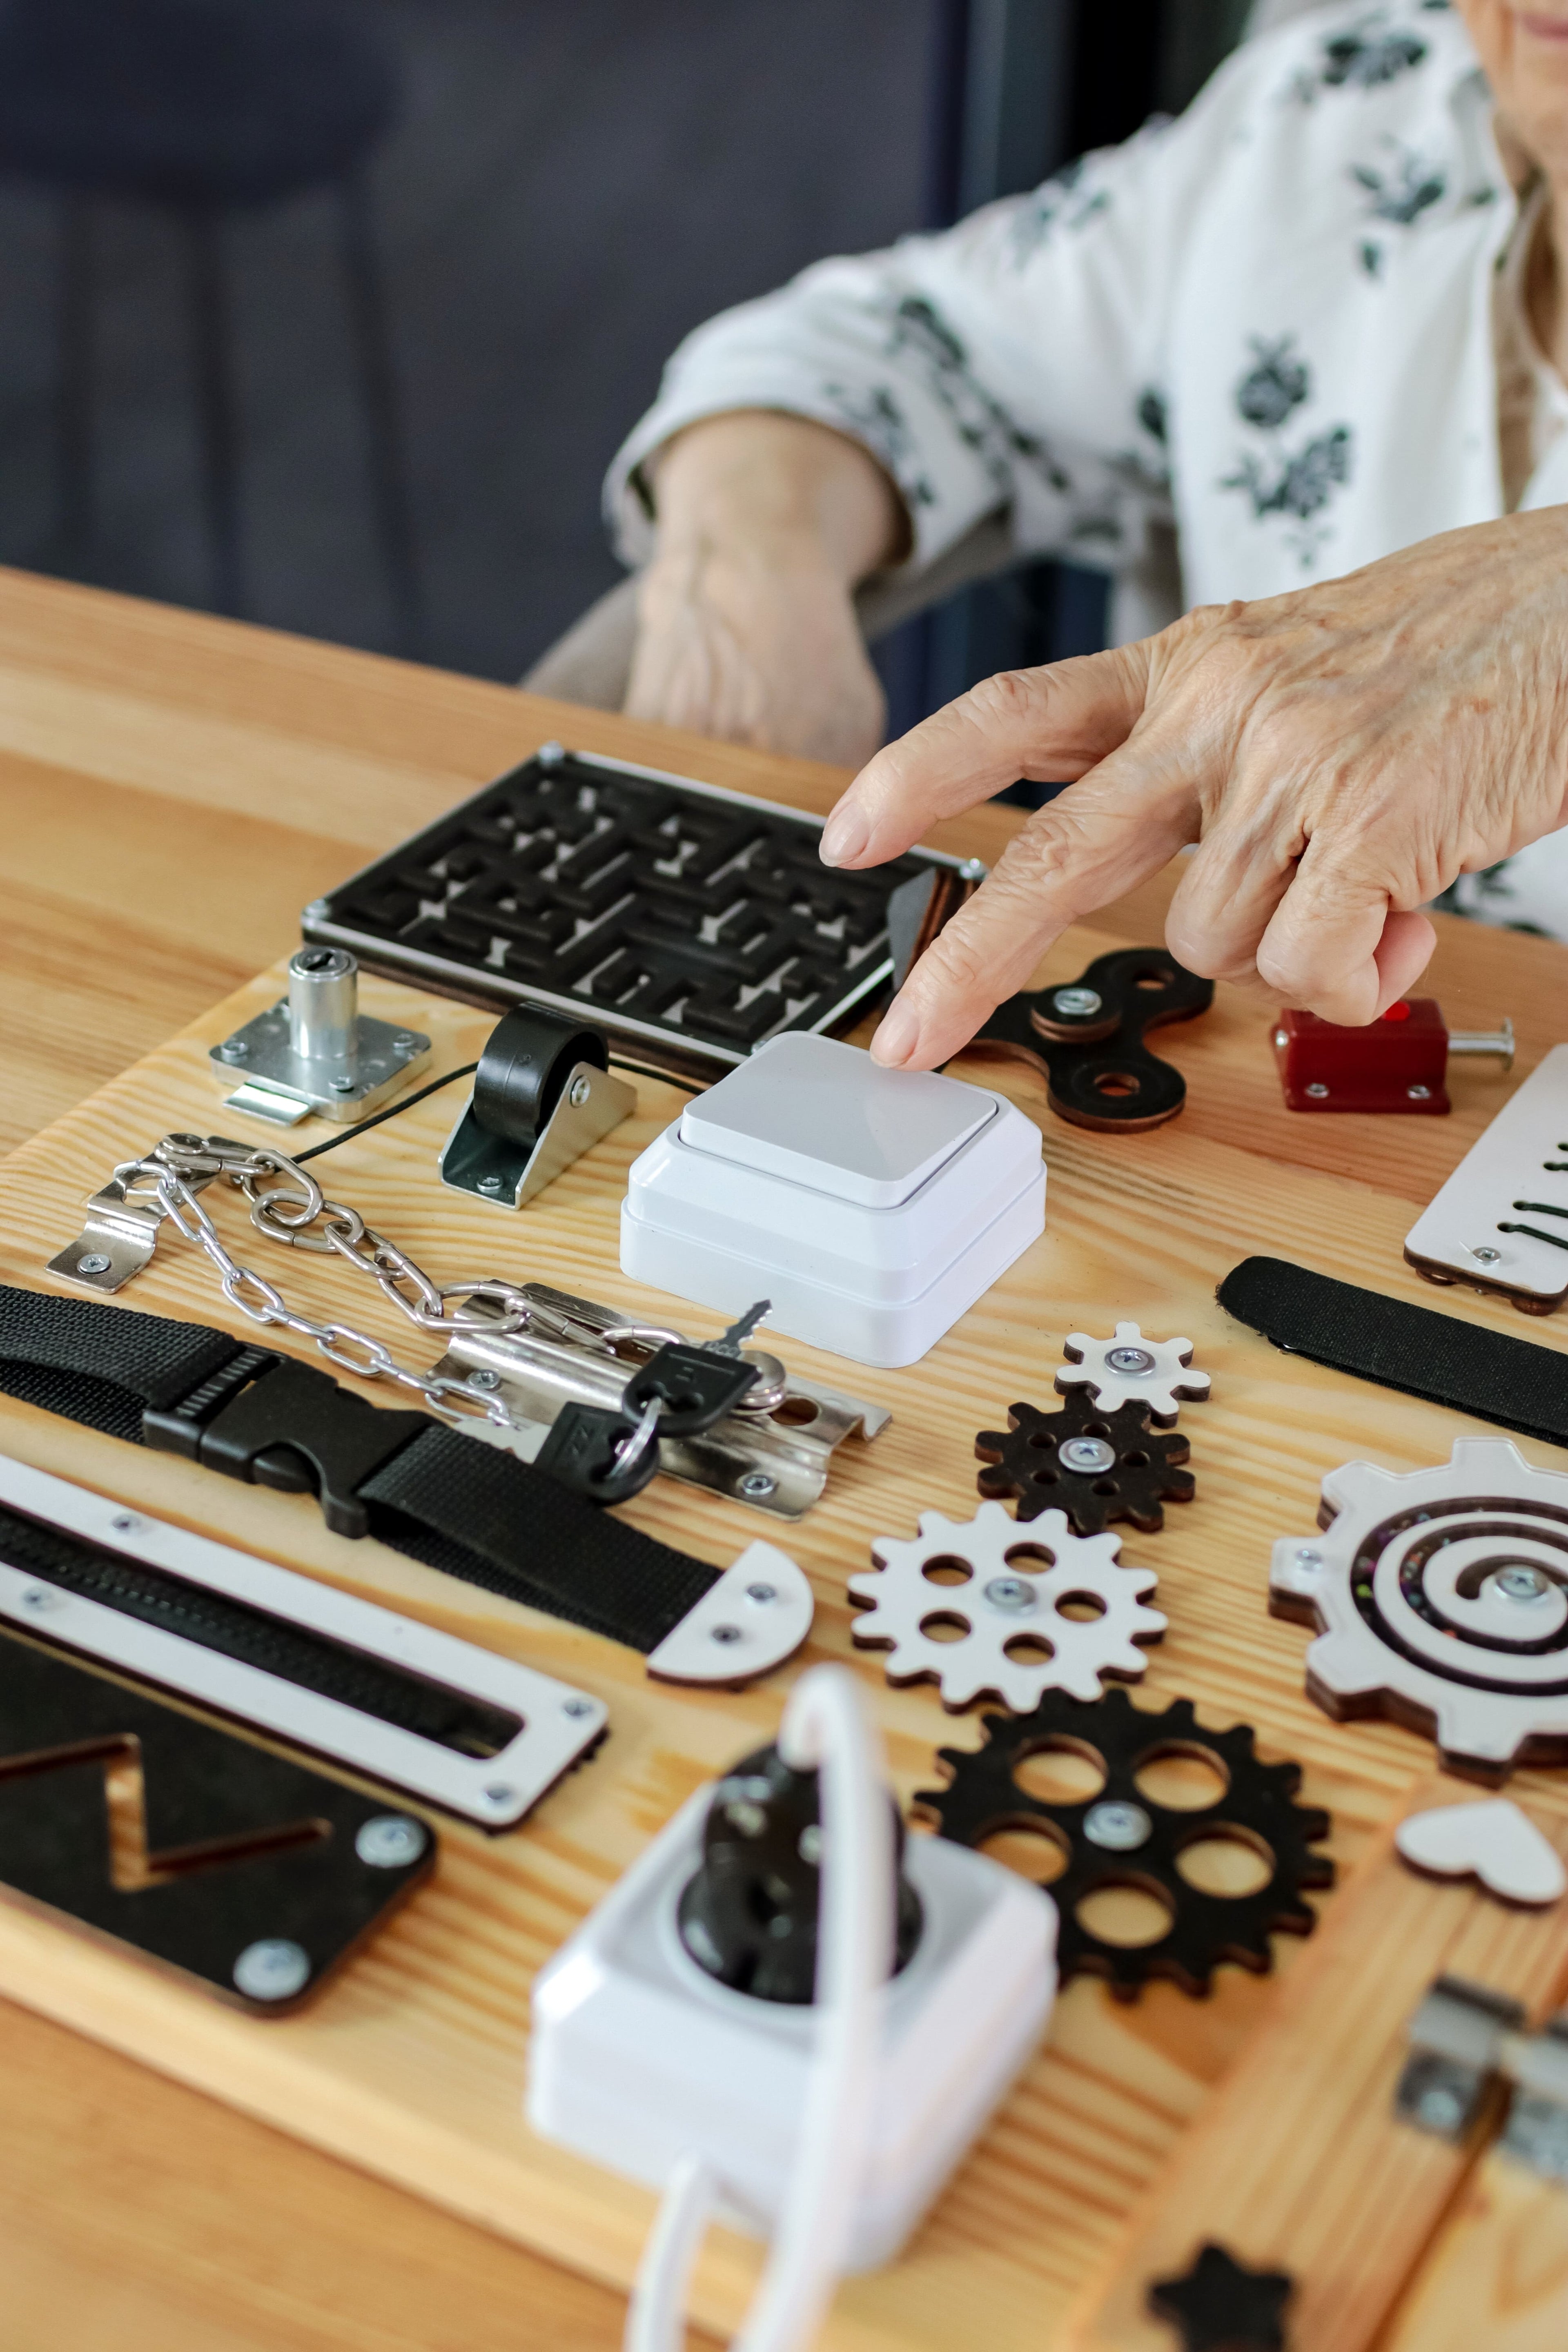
[{"x": 315, "y": 1050}]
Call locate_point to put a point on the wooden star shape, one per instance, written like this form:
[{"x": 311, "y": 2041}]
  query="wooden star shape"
[{"x": 1221, "y": 2306}]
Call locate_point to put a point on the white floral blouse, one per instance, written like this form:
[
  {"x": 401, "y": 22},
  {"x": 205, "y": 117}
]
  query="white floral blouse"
[{"x": 1285, "y": 322}]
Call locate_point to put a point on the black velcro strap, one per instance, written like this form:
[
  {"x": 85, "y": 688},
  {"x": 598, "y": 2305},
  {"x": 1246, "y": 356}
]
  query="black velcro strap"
[
  {"x": 476, "y": 1512},
  {"x": 103, "y": 1366},
  {"x": 1463, "y": 1365}
]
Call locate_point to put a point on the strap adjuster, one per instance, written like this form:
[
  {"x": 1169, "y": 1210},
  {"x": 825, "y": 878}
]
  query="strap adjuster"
[{"x": 288, "y": 1427}]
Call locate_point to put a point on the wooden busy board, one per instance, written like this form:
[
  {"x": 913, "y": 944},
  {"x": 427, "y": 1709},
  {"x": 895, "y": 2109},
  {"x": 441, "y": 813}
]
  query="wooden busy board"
[{"x": 413, "y": 2063}]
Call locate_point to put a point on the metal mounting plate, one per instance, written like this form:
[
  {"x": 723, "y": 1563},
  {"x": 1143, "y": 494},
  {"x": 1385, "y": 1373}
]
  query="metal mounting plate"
[{"x": 261, "y": 1054}]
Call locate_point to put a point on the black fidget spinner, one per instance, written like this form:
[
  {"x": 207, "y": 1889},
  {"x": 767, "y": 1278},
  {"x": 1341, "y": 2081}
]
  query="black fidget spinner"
[
  {"x": 1085, "y": 1037},
  {"x": 1096, "y": 1466},
  {"x": 1122, "y": 1837},
  {"x": 1220, "y": 2305}
]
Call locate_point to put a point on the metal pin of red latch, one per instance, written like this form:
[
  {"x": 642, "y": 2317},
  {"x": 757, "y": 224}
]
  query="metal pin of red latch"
[{"x": 1398, "y": 1064}]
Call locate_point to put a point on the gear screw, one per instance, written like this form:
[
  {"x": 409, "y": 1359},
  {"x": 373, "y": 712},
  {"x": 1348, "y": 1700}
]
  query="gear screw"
[
  {"x": 1087, "y": 1454},
  {"x": 1130, "y": 1360},
  {"x": 1521, "y": 1583},
  {"x": 1076, "y": 1003},
  {"x": 390, "y": 1841},
  {"x": 1117, "y": 1826},
  {"x": 1010, "y": 1593}
]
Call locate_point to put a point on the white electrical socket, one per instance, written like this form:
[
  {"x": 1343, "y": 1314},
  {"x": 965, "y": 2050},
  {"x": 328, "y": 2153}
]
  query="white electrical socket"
[{"x": 639, "y": 2057}]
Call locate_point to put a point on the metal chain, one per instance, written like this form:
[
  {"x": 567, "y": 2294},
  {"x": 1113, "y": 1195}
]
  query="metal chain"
[{"x": 289, "y": 1206}]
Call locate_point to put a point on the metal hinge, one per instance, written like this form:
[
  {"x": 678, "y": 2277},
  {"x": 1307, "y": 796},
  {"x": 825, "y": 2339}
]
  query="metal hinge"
[{"x": 1468, "y": 2047}]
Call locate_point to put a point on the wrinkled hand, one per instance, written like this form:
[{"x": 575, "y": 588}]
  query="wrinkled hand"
[
  {"x": 756, "y": 644},
  {"x": 1339, "y": 755}
]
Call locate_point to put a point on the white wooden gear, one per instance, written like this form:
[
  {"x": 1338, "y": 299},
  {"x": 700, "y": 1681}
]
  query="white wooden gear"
[
  {"x": 1441, "y": 1596},
  {"x": 1127, "y": 1369},
  {"x": 1011, "y": 1598}
]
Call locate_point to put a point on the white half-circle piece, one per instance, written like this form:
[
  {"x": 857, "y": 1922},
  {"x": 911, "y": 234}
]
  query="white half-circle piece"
[
  {"x": 756, "y": 1615},
  {"x": 1493, "y": 1842}
]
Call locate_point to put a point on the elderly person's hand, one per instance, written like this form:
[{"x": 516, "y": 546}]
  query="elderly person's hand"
[
  {"x": 746, "y": 624},
  {"x": 1339, "y": 755}
]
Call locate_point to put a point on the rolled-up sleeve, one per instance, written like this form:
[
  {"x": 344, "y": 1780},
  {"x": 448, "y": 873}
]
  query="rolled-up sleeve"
[{"x": 1011, "y": 365}]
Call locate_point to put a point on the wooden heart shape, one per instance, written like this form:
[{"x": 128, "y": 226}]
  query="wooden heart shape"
[{"x": 1493, "y": 1842}]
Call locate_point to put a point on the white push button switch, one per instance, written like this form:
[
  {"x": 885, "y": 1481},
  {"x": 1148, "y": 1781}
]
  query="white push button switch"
[{"x": 871, "y": 1206}]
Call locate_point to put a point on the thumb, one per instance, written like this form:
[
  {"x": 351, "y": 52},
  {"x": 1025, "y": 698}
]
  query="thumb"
[{"x": 1051, "y": 726}]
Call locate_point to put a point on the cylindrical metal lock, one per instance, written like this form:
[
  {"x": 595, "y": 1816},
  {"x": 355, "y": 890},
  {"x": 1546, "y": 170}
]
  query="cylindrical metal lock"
[{"x": 323, "y": 1003}]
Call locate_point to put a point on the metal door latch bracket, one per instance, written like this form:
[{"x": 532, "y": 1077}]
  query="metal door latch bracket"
[{"x": 1468, "y": 2049}]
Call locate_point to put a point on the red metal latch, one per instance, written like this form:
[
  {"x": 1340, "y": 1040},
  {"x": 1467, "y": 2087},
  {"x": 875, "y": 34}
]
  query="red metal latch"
[{"x": 1397, "y": 1064}]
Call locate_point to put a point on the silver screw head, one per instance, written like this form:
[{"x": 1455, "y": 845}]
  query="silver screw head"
[
  {"x": 578, "y": 1092},
  {"x": 550, "y": 755},
  {"x": 319, "y": 906},
  {"x": 490, "y": 1184},
  {"x": 275, "y": 1968},
  {"x": 41, "y": 1596},
  {"x": 500, "y": 1792},
  {"x": 391, "y": 1840},
  {"x": 1075, "y": 1003},
  {"x": 1085, "y": 1454},
  {"x": 95, "y": 1261},
  {"x": 743, "y": 1815},
  {"x": 808, "y": 1845},
  {"x": 1523, "y": 1583},
  {"x": 345, "y": 1086},
  {"x": 484, "y": 1379},
  {"x": 1440, "y": 2110},
  {"x": 761, "y": 1593},
  {"x": 1117, "y": 1826},
  {"x": 755, "y": 1485},
  {"x": 725, "y": 1633},
  {"x": 1010, "y": 1593},
  {"x": 1318, "y": 1091},
  {"x": 124, "y": 1523},
  {"x": 1485, "y": 1256},
  {"x": 1309, "y": 1557},
  {"x": 1134, "y": 1361},
  {"x": 405, "y": 1042},
  {"x": 1419, "y": 1094},
  {"x": 578, "y": 1706},
  {"x": 234, "y": 1049}
]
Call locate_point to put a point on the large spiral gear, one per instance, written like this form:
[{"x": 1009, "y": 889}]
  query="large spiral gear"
[
  {"x": 1441, "y": 1596},
  {"x": 1121, "y": 1837},
  {"x": 1001, "y": 1595},
  {"x": 1096, "y": 1466},
  {"x": 1127, "y": 1369}
]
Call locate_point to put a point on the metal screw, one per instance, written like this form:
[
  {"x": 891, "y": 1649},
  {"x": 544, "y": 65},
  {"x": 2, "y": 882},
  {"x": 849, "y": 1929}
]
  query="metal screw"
[
  {"x": 1318, "y": 1091},
  {"x": 725, "y": 1633},
  {"x": 1011, "y": 1593},
  {"x": 578, "y": 1706},
  {"x": 124, "y": 1523},
  {"x": 1419, "y": 1094},
  {"x": 41, "y": 1596},
  {"x": 272, "y": 1969},
  {"x": 761, "y": 1592},
  {"x": 551, "y": 754},
  {"x": 973, "y": 869},
  {"x": 390, "y": 1842},
  {"x": 1282, "y": 1037},
  {"x": 1521, "y": 1583},
  {"x": 341, "y": 1085},
  {"x": 578, "y": 1092},
  {"x": 1485, "y": 1256},
  {"x": 234, "y": 1049},
  {"x": 755, "y": 1485},
  {"x": 405, "y": 1043},
  {"x": 491, "y": 1184},
  {"x": 1440, "y": 2110},
  {"x": 1130, "y": 1360},
  {"x": 1309, "y": 1557},
  {"x": 1087, "y": 1454},
  {"x": 746, "y": 1817},
  {"x": 1077, "y": 1004},
  {"x": 808, "y": 1845},
  {"x": 498, "y": 1792},
  {"x": 94, "y": 1262},
  {"x": 484, "y": 1379},
  {"x": 1117, "y": 1826}
]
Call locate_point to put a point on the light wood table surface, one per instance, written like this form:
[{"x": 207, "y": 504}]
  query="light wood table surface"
[{"x": 173, "y": 789}]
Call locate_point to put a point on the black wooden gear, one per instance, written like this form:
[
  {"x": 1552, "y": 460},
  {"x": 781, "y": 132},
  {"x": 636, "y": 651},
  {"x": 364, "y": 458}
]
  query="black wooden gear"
[
  {"x": 1085, "y": 1038},
  {"x": 1258, "y": 1809},
  {"x": 1025, "y": 1459}
]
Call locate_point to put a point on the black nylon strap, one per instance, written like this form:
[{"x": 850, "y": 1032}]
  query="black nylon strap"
[
  {"x": 469, "y": 1510},
  {"x": 1468, "y": 1369}
]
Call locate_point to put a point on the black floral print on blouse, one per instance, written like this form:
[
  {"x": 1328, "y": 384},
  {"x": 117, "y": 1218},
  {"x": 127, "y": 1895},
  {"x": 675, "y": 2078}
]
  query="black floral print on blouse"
[
  {"x": 1297, "y": 485},
  {"x": 1410, "y": 187},
  {"x": 1074, "y": 196},
  {"x": 1366, "y": 57},
  {"x": 1278, "y": 383},
  {"x": 877, "y": 417}
]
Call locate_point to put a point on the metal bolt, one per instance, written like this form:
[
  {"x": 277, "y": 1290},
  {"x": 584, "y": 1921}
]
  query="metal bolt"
[
  {"x": 1309, "y": 1557},
  {"x": 273, "y": 1969},
  {"x": 499, "y": 1792},
  {"x": 1117, "y": 1826},
  {"x": 1010, "y": 1593},
  {"x": 808, "y": 1845},
  {"x": 1318, "y": 1091},
  {"x": 761, "y": 1593},
  {"x": 578, "y": 1092},
  {"x": 1419, "y": 1094},
  {"x": 755, "y": 1485},
  {"x": 234, "y": 1049},
  {"x": 1521, "y": 1583},
  {"x": 484, "y": 1379},
  {"x": 973, "y": 869},
  {"x": 319, "y": 907},
  {"x": 1485, "y": 1256},
  {"x": 578, "y": 1706},
  {"x": 491, "y": 1184},
  {"x": 1130, "y": 1360},
  {"x": 390, "y": 1842},
  {"x": 725, "y": 1633},
  {"x": 1085, "y": 1454},
  {"x": 746, "y": 1817},
  {"x": 345, "y": 1086},
  {"x": 1076, "y": 1003},
  {"x": 405, "y": 1043},
  {"x": 94, "y": 1262}
]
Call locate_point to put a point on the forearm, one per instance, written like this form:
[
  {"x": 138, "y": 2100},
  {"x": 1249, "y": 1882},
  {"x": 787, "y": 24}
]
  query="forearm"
[{"x": 758, "y": 486}]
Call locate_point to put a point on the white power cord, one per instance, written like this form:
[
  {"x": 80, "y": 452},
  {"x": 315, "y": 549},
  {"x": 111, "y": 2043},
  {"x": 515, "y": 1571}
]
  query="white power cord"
[{"x": 825, "y": 1726}]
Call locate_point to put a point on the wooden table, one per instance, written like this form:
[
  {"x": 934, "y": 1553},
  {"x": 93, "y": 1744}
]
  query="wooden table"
[{"x": 174, "y": 788}]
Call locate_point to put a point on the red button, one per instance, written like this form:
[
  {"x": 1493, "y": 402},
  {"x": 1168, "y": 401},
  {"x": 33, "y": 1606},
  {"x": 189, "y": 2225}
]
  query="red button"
[{"x": 1397, "y": 1013}]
